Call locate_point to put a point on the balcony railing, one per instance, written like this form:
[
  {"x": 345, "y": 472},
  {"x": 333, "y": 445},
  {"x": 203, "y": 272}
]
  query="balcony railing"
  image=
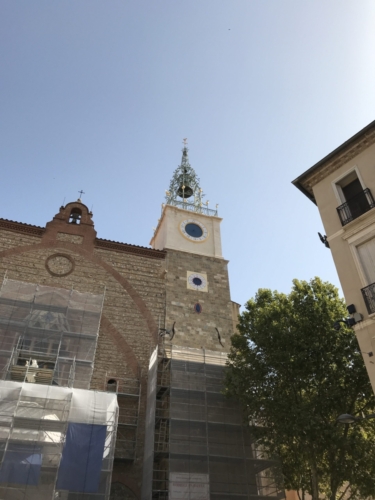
[
  {"x": 199, "y": 209},
  {"x": 356, "y": 206},
  {"x": 369, "y": 297}
]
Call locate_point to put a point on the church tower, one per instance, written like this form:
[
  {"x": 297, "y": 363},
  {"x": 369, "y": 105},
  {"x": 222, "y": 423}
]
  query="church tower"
[
  {"x": 197, "y": 445},
  {"x": 187, "y": 224},
  {"x": 197, "y": 285}
]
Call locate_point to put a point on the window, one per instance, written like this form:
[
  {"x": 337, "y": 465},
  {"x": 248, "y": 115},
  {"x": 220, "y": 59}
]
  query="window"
[
  {"x": 349, "y": 186},
  {"x": 366, "y": 253},
  {"x": 354, "y": 198},
  {"x": 112, "y": 385}
]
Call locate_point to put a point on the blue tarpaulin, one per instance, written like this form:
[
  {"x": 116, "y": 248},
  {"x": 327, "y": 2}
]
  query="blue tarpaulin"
[
  {"x": 21, "y": 464},
  {"x": 82, "y": 458}
]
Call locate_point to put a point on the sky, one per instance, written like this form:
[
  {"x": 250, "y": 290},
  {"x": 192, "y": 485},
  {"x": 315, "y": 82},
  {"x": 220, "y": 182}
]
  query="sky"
[{"x": 98, "y": 95}]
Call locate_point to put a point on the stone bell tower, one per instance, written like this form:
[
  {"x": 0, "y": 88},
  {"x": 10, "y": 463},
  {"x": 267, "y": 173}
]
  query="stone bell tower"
[
  {"x": 198, "y": 445},
  {"x": 197, "y": 285},
  {"x": 187, "y": 224}
]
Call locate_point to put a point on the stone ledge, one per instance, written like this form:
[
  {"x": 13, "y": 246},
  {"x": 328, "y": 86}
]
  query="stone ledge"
[
  {"x": 125, "y": 247},
  {"x": 21, "y": 227}
]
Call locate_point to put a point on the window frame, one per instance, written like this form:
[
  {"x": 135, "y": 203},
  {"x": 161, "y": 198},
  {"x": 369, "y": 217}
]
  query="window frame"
[
  {"x": 337, "y": 189},
  {"x": 354, "y": 242}
]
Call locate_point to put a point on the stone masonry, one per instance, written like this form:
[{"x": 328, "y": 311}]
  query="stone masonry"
[
  {"x": 143, "y": 288},
  {"x": 132, "y": 278},
  {"x": 198, "y": 329}
]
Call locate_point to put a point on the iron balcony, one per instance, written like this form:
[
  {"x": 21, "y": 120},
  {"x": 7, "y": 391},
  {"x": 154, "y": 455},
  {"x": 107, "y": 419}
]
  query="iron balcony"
[
  {"x": 369, "y": 297},
  {"x": 356, "y": 206}
]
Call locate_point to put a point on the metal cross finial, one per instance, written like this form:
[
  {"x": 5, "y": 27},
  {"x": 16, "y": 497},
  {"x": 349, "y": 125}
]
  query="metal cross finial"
[
  {"x": 81, "y": 193},
  {"x": 184, "y": 141}
]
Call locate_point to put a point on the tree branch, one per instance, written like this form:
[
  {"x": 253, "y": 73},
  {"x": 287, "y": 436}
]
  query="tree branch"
[
  {"x": 352, "y": 493},
  {"x": 344, "y": 492}
]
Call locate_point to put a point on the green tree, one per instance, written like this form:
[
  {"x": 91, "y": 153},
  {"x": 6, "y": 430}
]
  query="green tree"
[{"x": 295, "y": 374}]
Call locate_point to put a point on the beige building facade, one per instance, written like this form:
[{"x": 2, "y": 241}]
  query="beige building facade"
[{"x": 342, "y": 185}]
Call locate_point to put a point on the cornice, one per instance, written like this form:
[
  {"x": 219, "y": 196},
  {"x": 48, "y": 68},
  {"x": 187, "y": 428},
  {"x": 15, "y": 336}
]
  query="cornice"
[
  {"x": 336, "y": 159},
  {"x": 134, "y": 249},
  {"x": 20, "y": 227},
  {"x": 201, "y": 255},
  {"x": 357, "y": 225}
]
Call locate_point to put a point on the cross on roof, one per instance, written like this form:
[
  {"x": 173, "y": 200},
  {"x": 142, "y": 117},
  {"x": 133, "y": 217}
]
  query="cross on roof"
[{"x": 81, "y": 193}]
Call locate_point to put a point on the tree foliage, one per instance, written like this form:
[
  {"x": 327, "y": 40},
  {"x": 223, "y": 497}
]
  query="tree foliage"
[{"x": 295, "y": 374}]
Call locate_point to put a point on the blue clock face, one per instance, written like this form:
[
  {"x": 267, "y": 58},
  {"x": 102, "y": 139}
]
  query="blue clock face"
[
  {"x": 197, "y": 281},
  {"x": 193, "y": 230}
]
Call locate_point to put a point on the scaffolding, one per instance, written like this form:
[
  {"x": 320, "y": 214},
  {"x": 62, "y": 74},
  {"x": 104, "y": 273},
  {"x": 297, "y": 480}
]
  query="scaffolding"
[
  {"x": 48, "y": 335},
  {"x": 56, "y": 442},
  {"x": 201, "y": 447},
  {"x": 57, "y": 438},
  {"x": 128, "y": 391}
]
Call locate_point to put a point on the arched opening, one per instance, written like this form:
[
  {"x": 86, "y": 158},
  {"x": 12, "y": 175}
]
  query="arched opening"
[
  {"x": 112, "y": 385},
  {"x": 75, "y": 216}
]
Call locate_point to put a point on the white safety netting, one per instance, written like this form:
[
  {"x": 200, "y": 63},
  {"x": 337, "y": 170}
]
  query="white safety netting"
[
  {"x": 48, "y": 335},
  {"x": 56, "y": 442}
]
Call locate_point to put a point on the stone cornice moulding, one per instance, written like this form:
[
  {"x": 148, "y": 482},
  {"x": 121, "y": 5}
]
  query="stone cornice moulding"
[
  {"x": 362, "y": 222},
  {"x": 335, "y": 235},
  {"x": 203, "y": 256},
  {"x": 29, "y": 229},
  {"x": 338, "y": 161},
  {"x": 21, "y": 227},
  {"x": 124, "y": 247}
]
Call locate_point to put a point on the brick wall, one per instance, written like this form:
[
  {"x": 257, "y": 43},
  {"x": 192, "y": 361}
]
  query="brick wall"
[
  {"x": 133, "y": 281},
  {"x": 143, "y": 288}
]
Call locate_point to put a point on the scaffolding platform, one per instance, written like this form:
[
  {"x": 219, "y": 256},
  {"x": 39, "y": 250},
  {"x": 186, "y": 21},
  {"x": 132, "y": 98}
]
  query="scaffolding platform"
[
  {"x": 128, "y": 391},
  {"x": 48, "y": 335},
  {"x": 55, "y": 442},
  {"x": 57, "y": 438},
  {"x": 200, "y": 444}
]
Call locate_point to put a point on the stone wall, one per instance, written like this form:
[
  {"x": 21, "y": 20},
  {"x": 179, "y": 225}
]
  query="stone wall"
[
  {"x": 143, "y": 289},
  {"x": 198, "y": 329},
  {"x": 12, "y": 239},
  {"x": 133, "y": 281}
]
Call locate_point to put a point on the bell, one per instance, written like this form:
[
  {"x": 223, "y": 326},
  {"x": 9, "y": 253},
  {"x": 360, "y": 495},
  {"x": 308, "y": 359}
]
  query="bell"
[
  {"x": 184, "y": 191},
  {"x": 75, "y": 217}
]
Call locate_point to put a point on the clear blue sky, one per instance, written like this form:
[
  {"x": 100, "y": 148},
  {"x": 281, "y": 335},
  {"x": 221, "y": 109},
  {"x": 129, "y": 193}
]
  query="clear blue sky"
[{"x": 98, "y": 95}]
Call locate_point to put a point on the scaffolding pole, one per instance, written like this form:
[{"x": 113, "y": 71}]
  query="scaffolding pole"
[{"x": 202, "y": 447}]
